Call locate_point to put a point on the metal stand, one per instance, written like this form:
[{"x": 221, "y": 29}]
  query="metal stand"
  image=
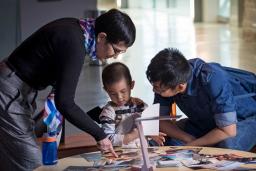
[
  {"x": 144, "y": 149},
  {"x": 143, "y": 142}
]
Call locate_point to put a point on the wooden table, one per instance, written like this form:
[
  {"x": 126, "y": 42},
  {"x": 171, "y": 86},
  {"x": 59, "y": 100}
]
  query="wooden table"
[{"x": 80, "y": 161}]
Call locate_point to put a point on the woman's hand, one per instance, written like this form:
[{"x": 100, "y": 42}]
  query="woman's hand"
[
  {"x": 105, "y": 145},
  {"x": 159, "y": 139}
]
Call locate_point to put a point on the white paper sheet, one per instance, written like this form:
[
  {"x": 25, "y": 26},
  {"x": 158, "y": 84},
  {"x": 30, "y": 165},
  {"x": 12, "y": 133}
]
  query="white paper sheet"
[{"x": 151, "y": 127}]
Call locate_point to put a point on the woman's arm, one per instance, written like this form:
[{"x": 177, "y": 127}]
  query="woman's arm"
[{"x": 69, "y": 58}]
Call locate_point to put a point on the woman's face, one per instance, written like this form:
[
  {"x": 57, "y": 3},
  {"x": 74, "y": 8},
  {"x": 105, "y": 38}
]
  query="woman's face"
[{"x": 105, "y": 49}]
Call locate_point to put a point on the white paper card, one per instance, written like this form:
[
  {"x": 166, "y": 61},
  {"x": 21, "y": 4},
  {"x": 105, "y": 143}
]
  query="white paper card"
[{"x": 151, "y": 127}]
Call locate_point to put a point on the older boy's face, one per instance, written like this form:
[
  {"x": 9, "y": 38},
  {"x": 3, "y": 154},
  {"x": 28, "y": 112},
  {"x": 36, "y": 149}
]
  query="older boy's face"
[
  {"x": 119, "y": 92},
  {"x": 162, "y": 90}
]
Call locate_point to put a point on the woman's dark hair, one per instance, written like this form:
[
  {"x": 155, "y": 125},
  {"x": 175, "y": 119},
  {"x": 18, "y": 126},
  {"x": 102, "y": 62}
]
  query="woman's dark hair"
[
  {"x": 117, "y": 25},
  {"x": 169, "y": 67},
  {"x": 115, "y": 72}
]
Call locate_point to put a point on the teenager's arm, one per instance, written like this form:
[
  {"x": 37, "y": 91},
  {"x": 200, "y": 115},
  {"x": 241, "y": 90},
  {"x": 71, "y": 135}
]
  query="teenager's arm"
[
  {"x": 174, "y": 132},
  {"x": 215, "y": 136},
  {"x": 166, "y": 126}
]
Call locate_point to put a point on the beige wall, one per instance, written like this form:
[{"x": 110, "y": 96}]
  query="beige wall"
[
  {"x": 34, "y": 13},
  {"x": 249, "y": 20},
  {"x": 20, "y": 18},
  {"x": 9, "y": 30},
  {"x": 210, "y": 10}
]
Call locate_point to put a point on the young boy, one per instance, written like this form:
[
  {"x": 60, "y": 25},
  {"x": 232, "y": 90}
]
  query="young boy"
[
  {"x": 220, "y": 102},
  {"x": 118, "y": 115}
]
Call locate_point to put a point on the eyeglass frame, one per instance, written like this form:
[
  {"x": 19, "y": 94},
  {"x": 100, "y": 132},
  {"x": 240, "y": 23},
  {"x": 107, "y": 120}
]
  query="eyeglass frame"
[{"x": 116, "y": 51}]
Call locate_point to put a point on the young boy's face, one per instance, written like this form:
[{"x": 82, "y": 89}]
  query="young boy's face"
[
  {"x": 164, "y": 91},
  {"x": 120, "y": 92}
]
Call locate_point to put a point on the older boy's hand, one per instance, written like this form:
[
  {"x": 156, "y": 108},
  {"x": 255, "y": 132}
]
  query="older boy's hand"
[
  {"x": 105, "y": 145},
  {"x": 160, "y": 139}
]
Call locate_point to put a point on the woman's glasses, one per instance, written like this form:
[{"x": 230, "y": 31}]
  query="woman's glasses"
[{"x": 116, "y": 51}]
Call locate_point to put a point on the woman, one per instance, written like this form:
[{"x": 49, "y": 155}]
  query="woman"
[{"x": 54, "y": 55}]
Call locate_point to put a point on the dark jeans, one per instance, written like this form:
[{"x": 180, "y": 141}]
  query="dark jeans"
[{"x": 18, "y": 147}]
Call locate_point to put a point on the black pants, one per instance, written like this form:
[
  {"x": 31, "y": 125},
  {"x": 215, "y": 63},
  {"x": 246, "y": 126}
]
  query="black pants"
[{"x": 18, "y": 147}]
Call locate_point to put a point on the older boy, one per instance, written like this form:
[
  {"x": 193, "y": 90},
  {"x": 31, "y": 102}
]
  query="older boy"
[{"x": 220, "y": 102}]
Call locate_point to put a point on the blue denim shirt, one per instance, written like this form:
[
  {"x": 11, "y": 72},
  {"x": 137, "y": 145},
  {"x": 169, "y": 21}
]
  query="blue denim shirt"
[{"x": 216, "y": 96}]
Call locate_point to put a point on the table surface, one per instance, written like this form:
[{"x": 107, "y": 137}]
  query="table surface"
[{"x": 80, "y": 161}]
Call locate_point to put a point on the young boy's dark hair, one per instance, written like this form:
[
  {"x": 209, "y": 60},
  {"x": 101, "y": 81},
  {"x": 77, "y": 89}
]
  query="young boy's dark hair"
[
  {"x": 114, "y": 72},
  {"x": 117, "y": 25},
  {"x": 169, "y": 67}
]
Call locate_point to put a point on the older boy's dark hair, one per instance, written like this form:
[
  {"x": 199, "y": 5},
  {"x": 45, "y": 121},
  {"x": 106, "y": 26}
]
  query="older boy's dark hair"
[
  {"x": 114, "y": 72},
  {"x": 117, "y": 25},
  {"x": 169, "y": 67}
]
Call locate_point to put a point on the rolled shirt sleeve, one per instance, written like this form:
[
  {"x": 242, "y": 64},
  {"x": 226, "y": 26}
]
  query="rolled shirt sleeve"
[{"x": 225, "y": 119}]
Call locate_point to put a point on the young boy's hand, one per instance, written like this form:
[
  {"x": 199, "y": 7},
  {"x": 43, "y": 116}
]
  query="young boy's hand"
[
  {"x": 136, "y": 101},
  {"x": 159, "y": 139},
  {"x": 134, "y": 134}
]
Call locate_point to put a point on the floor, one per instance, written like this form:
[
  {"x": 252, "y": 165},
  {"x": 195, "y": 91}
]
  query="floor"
[{"x": 158, "y": 30}]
